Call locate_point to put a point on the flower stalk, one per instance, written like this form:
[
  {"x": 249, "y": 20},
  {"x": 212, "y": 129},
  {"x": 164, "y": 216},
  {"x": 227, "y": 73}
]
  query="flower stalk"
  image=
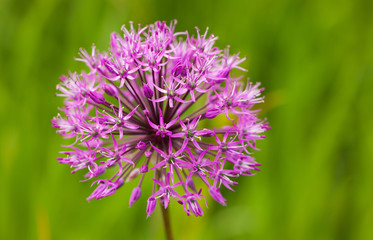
[{"x": 167, "y": 223}]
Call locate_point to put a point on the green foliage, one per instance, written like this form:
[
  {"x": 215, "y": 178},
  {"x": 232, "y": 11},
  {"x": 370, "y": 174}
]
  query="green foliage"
[{"x": 315, "y": 59}]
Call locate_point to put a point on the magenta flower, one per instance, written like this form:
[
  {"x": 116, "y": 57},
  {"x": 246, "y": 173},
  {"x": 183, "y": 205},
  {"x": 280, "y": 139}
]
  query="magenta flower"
[{"x": 144, "y": 113}]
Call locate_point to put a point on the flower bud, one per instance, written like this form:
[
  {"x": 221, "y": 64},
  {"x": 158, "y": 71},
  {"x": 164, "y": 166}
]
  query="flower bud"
[
  {"x": 141, "y": 145},
  {"x": 136, "y": 193},
  {"x": 95, "y": 172},
  {"x": 108, "y": 65},
  {"x": 147, "y": 91},
  {"x": 100, "y": 170},
  {"x": 191, "y": 185},
  {"x": 97, "y": 97},
  {"x": 119, "y": 182},
  {"x": 152, "y": 202},
  {"x": 143, "y": 168},
  {"x": 146, "y": 112},
  {"x": 133, "y": 174},
  {"x": 148, "y": 153},
  {"x": 212, "y": 113},
  {"x": 110, "y": 90},
  {"x": 63, "y": 78},
  {"x": 216, "y": 195}
]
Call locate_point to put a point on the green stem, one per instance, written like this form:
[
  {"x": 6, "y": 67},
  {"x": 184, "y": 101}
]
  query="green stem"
[{"x": 167, "y": 223}]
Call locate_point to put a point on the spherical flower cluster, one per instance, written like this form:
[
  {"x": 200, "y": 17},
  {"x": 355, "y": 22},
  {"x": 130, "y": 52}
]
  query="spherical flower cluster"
[{"x": 143, "y": 110}]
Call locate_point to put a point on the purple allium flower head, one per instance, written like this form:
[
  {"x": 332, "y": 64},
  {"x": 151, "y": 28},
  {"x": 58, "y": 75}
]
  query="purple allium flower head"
[{"x": 145, "y": 111}]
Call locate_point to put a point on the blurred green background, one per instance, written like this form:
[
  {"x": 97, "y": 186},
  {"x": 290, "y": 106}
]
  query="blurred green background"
[{"x": 315, "y": 59}]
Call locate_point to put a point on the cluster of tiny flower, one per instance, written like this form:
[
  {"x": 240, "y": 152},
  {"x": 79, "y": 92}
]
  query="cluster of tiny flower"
[{"x": 139, "y": 111}]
